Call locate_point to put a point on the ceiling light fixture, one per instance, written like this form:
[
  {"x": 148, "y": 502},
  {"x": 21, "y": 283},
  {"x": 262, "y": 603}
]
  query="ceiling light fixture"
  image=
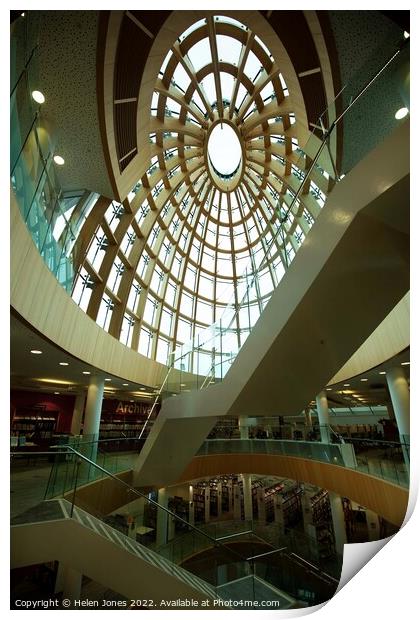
[
  {"x": 406, "y": 34},
  {"x": 38, "y": 96},
  {"x": 363, "y": 379},
  {"x": 405, "y": 363},
  {"x": 328, "y": 389},
  {"x": 125, "y": 384},
  {"x": 57, "y": 381},
  {"x": 36, "y": 351},
  {"x": 382, "y": 372},
  {"x": 401, "y": 113},
  {"x": 56, "y": 392},
  {"x": 63, "y": 363},
  {"x": 346, "y": 384},
  {"x": 86, "y": 372},
  {"x": 108, "y": 379},
  {"x": 59, "y": 160}
]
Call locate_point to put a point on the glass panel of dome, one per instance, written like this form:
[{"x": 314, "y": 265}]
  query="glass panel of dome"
[
  {"x": 166, "y": 321},
  {"x": 228, "y": 49},
  {"x": 150, "y": 310},
  {"x": 200, "y": 54},
  {"x": 133, "y": 296},
  {"x": 204, "y": 312},
  {"x": 196, "y": 99},
  {"x": 183, "y": 331},
  {"x": 127, "y": 330},
  {"x": 145, "y": 342},
  {"x": 226, "y": 82},
  {"x": 170, "y": 293},
  {"x": 186, "y": 306},
  {"x": 181, "y": 77},
  {"x": 267, "y": 92},
  {"x": 205, "y": 287},
  {"x": 242, "y": 93},
  {"x": 105, "y": 312},
  {"x": 189, "y": 279},
  {"x": 252, "y": 66},
  {"x": 210, "y": 88},
  {"x": 172, "y": 106}
]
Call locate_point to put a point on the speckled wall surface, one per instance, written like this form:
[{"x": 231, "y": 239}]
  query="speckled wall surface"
[
  {"x": 68, "y": 42},
  {"x": 364, "y": 40}
]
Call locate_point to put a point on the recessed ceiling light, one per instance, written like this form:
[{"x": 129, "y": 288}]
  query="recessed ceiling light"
[
  {"x": 38, "y": 96},
  {"x": 59, "y": 160},
  {"x": 23, "y": 15},
  {"x": 346, "y": 384},
  {"x": 56, "y": 392},
  {"x": 36, "y": 351},
  {"x": 405, "y": 363},
  {"x": 382, "y": 372},
  {"x": 125, "y": 384},
  {"x": 142, "y": 389},
  {"x": 183, "y": 384},
  {"x": 108, "y": 379},
  {"x": 86, "y": 372},
  {"x": 328, "y": 389},
  {"x": 401, "y": 113},
  {"x": 63, "y": 363},
  {"x": 131, "y": 401},
  {"x": 406, "y": 34},
  {"x": 363, "y": 379}
]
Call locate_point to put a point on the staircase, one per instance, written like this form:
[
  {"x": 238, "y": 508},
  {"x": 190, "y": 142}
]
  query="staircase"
[{"x": 56, "y": 530}]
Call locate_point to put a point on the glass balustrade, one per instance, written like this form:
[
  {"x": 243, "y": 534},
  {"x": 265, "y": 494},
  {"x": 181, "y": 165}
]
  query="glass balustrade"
[{"x": 380, "y": 459}]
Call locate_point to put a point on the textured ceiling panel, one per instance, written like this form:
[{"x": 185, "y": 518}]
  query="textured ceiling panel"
[
  {"x": 67, "y": 49},
  {"x": 372, "y": 118}
]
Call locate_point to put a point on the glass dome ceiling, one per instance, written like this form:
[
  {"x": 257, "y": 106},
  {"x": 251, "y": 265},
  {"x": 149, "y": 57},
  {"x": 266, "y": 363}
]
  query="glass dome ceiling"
[{"x": 213, "y": 203}]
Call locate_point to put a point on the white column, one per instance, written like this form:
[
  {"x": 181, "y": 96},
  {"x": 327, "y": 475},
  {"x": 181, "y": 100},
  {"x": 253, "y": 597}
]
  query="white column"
[
  {"x": 162, "y": 518},
  {"x": 243, "y": 427},
  {"x": 247, "y": 492},
  {"x": 76, "y": 420},
  {"x": 93, "y": 412},
  {"x": 72, "y": 584},
  {"x": 323, "y": 416},
  {"x": 339, "y": 522},
  {"x": 400, "y": 397}
]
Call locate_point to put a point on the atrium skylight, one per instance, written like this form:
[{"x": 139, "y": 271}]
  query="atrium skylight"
[
  {"x": 224, "y": 149},
  {"x": 210, "y": 211}
]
